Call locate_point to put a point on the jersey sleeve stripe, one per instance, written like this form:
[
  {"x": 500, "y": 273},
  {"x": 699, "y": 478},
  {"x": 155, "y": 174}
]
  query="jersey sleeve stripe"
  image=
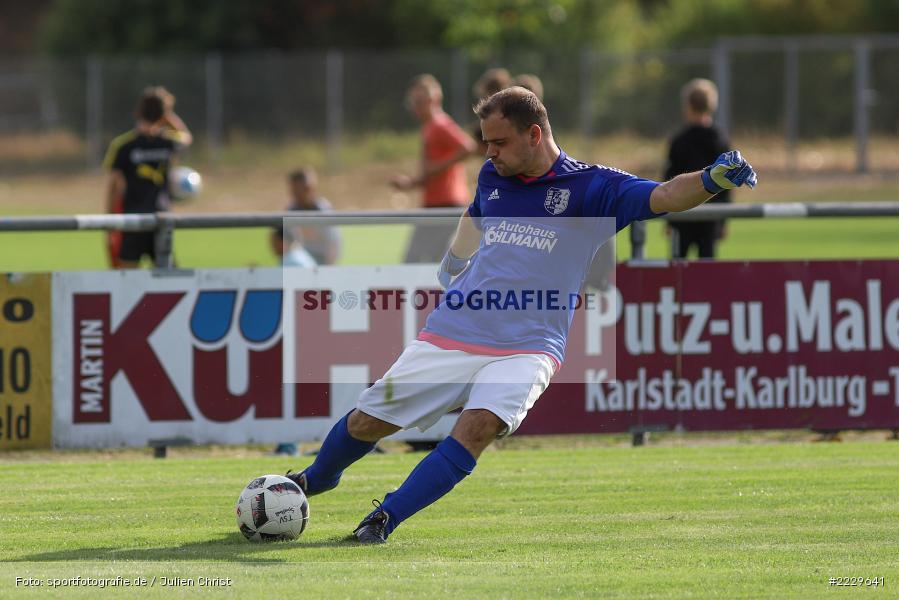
[{"x": 114, "y": 147}]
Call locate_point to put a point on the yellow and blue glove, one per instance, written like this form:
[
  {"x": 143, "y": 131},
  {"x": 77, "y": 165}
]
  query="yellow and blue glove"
[
  {"x": 729, "y": 171},
  {"x": 451, "y": 266}
]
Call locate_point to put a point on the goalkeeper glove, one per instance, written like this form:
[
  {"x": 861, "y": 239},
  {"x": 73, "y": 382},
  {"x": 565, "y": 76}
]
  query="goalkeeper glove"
[
  {"x": 729, "y": 171},
  {"x": 451, "y": 266}
]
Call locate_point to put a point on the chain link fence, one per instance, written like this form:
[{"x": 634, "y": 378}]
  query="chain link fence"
[{"x": 791, "y": 89}]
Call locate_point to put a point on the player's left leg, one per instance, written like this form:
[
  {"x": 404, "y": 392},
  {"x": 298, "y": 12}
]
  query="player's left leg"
[
  {"x": 449, "y": 463},
  {"x": 502, "y": 393},
  {"x": 131, "y": 249},
  {"x": 422, "y": 385},
  {"x": 351, "y": 438}
]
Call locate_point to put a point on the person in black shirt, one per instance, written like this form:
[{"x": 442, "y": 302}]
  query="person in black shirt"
[
  {"x": 138, "y": 162},
  {"x": 696, "y": 145}
]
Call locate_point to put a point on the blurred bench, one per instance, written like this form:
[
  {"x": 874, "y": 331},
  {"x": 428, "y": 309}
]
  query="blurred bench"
[
  {"x": 160, "y": 445},
  {"x": 640, "y": 433}
]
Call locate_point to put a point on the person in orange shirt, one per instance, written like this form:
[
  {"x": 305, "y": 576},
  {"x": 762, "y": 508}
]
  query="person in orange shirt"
[{"x": 442, "y": 175}]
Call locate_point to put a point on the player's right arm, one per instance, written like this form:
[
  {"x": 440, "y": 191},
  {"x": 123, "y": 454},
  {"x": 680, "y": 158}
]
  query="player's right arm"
[
  {"x": 689, "y": 190},
  {"x": 115, "y": 189},
  {"x": 467, "y": 238},
  {"x": 465, "y": 242},
  {"x": 179, "y": 131},
  {"x": 450, "y": 135},
  {"x": 466, "y": 147},
  {"x": 115, "y": 162}
]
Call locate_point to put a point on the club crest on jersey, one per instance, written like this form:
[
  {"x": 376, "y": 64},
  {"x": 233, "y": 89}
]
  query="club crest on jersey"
[{"x": 556, "y": 200}]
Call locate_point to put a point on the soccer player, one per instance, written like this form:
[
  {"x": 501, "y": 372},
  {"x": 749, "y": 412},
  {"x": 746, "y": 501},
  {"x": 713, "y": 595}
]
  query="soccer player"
[
  {"x": 495, "y": 364},
  {"x": 138, "y": 162}
]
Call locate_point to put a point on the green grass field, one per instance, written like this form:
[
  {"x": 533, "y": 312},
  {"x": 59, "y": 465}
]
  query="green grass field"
[
  {"x": 707, "y": 521},
  {"x": 220, "y": 248}
]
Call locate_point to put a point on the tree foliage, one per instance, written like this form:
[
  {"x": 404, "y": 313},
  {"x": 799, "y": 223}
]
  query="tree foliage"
[
  {"x": 693, "y": 23},
  {"x": 492, "y": 25},
  {"x": 480, "y": 26},
  {"x": 179, "y": 26}
]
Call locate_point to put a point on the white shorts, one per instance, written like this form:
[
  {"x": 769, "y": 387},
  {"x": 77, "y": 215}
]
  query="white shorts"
[{"x": 427, "y": 382}]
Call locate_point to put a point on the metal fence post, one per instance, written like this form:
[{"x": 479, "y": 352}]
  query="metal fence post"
[
  {"x": 638, "y": 240},
  {"x": 47, "y": 99},
  {"x": 459, "y": 86},
  {"x": 215, "y": 120},
  {"x": 721, "y": 74},
  {"x": 163, "y": 241},
  {"x": 862, "y": 101},
  {"x": 588, "y": 64},
  {"x": 334, "y": 105},
  {"x": 791, "y": 98},
  {"x": 94, "y": 109}
]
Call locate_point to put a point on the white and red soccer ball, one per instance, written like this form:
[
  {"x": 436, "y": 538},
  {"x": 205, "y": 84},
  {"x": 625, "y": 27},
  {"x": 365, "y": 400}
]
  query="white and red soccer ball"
[{"x": 272, "y": 508}]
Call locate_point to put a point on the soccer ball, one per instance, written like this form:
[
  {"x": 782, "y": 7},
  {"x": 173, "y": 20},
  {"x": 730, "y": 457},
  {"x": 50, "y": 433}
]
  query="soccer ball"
[
  {"x": 272, "y": 508},
  {"x": 184, "y": 183}
]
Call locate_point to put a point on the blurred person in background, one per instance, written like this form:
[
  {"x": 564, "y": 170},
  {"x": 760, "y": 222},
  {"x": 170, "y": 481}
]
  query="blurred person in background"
[
  {"x": 138, "y": 162},
  {"x": 490, "y": 82},
  {"x": 306, "y": 245},
  {"x": 599, "y": 275},
  {"x": 696, "y": 145},
  {"x": 531, "y": 83},
  {"x": 442, "y": 176}
]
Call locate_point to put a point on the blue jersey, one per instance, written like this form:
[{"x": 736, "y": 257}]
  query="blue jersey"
[{"x": 539, "y": 239}]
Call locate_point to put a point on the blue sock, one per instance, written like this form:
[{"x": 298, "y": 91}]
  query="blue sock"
[
  {"x": 437, "y": 473},
  {"x": 338, "y": 451}
]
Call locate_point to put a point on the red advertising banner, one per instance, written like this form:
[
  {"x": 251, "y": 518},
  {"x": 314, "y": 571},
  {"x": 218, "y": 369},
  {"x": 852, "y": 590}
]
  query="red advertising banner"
[
  {"x": 237, "y": 356},
  {"x": 727, "y": 345}
]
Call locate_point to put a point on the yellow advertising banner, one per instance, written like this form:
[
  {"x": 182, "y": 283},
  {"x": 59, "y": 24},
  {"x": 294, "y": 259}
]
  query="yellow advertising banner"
[{"x": 26, "y": 394}]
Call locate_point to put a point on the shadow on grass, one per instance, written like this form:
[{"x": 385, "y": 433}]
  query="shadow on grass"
[{"x": 226, "y": 548}]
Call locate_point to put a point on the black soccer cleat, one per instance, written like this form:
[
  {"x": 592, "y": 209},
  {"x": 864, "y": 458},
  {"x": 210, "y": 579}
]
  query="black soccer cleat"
[
  {"x": 373, "y": 528},
  {"x": 299, "y": 479}
]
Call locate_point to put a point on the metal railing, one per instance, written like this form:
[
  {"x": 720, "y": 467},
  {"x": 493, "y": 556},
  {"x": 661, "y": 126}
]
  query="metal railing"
[{"x": 164, "y": 224}]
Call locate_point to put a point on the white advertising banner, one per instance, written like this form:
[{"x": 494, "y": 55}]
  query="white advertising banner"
[{"x": 141, "y": 355}]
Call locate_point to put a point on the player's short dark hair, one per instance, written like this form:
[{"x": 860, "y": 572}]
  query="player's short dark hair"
[
  {"x": 520, "y": 106},
  {"x": 305, "y": 175},
  {"x": 151, "y": 105}
]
